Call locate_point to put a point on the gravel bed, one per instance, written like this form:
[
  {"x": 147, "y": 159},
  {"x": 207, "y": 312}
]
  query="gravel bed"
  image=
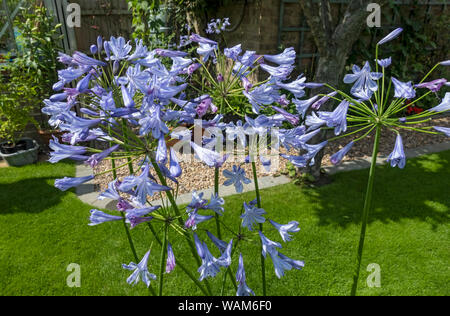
[{"x": 197, "y": 176}]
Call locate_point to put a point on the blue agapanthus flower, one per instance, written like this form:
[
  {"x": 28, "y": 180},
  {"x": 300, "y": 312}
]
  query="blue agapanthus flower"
[
  {"x": 211, "y": 265},
  {"x": 243, "y": 289},
  {"x": 66, "y": 183},
  {"x": 237, "y": 178},
  {"x": 252, "y": 215},
  {"x": 140, "y": 271},
  {"x": 98, "y": 217},
  {"x": 337, "y": 157},
  {"x": 284, "y": 230},
  {"x": 398, "y": 157},
  {"x": 170, "y": 264},
  {"x": 337, "y": 118},
  {"x": 444, "y": 130},
  {"x": 61, "y": 151},
  {"x": 403, "y": 89},
  {"x": 364, "y": 79},
  {"x": 443, "y": 106},
  {"x": 143, "y": 185}
]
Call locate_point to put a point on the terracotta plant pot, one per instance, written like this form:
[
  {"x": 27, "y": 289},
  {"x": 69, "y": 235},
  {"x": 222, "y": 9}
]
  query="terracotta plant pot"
[{"x": 47, "y": 135}]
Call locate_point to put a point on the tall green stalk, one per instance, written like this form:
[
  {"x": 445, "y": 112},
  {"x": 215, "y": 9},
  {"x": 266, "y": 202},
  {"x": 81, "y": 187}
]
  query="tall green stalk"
[
  {"x": 366, "y": 210},
  {"x": 258, "y": 201},
  {"x": 178, "y": 214},
  {"x": 163, "y": 259},
  {"x": 216, "y": 192}
]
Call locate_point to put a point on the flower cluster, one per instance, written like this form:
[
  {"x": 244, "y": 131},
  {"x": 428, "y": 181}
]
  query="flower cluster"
[
  {"x": 373, "y": 106},
  {"x": 129, "y": 99}
]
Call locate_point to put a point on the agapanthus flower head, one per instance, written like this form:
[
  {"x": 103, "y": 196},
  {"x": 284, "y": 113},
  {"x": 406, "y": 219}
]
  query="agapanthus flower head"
[{"x": 217, "y": 26}]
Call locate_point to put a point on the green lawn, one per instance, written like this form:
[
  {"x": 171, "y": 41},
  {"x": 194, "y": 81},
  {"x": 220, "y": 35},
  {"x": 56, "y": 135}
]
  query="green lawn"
[{"x": 43, "y": 230}]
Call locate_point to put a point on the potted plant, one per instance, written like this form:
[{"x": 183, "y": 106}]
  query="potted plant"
[
  {"x": 39, "y": 39},
  {"x": 16, "y": 109}
]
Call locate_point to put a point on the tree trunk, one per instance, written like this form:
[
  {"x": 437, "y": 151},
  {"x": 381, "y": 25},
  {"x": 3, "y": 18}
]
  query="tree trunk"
[
  {"x": 334, "y": 46},
  {"x": 329, "y": 70}
]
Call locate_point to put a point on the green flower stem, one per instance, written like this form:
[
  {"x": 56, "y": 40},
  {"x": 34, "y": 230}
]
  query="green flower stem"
[
  {"x": 130, "y": 240},
  {"x": 429, "y": 73},
  {"x": 364, "y": 136},
  {"x": 211, "y": 78},
  {"x": 421, "y": 130},
  {"x": 216, "y": 192},
  {"x": 410, "y": 104},
  {"x": 178, "y": 214},
  {"x": 162, "y": 262},
  {"x": 354, "y": 132},
  {"x": 380, "y": 106},
  {"x": 385, "y": 101},
  {"x": 114, "y": 168},
  {"x": 377, "y": 94},
  {"x": 179, "y": 264},
  {"x": 258, "y": 202},
  {"x": 127, "y": 231},
  {"x": 130, "y": 164},
  {"x": 364, "y": 108},
  {"x": 367, "y": 207}
]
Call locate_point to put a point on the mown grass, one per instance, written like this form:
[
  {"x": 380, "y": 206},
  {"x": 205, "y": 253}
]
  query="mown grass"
[{"x": 43, "y": 230}]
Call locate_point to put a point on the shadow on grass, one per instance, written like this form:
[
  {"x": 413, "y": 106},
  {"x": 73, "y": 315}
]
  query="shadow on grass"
[
  {"x": 29, "y": 196},
  {"x": 420, "y": 191},
  {"x": 30, "y": 189}
]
